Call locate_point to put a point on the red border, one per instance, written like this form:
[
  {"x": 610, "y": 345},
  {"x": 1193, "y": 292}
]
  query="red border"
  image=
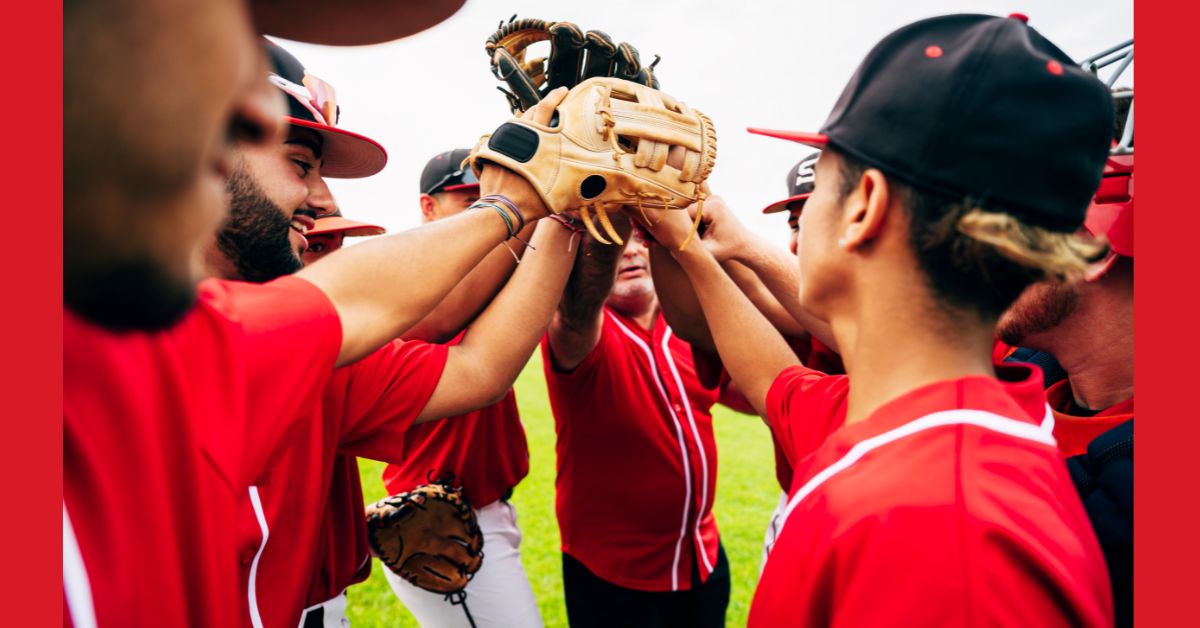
[
  {"x": 31, "y": 445},
  {"x": 1166, "y": 537}
]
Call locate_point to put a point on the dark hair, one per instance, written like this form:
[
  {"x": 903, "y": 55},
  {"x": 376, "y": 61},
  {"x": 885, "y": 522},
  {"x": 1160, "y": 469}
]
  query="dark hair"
[{"x": 975, "y": 259}]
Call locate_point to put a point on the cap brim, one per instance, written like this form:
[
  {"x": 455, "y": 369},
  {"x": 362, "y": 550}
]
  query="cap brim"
[
  {"x": 352, "y": 228},
  {"x": 816, "y": 140},
  {"x": 780, "y": 206},
  {"x": 460, "y": 187},
  {"x": 345, "y": 155},
  {"x": 349, "y": 22}
]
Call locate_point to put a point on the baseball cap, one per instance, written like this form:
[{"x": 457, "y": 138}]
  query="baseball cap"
[
  {"x": 349, "y": 22},
  {"x": 978, "y": 107},
  {"x": 446, "y": 173},
  {"x": 799, "y": 184},
  {"x": 312, "y": 103},
  {"x": 334, "y": 223},
  {"x": 1111, "y": 212}
]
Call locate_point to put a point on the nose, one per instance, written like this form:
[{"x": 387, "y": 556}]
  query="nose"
[{"x": 320, "y": 197}]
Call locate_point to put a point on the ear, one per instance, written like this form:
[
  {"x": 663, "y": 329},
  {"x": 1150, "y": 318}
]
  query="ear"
[
  {"x": 866, "y": 209},
  {"x": 428, "y": 207}
]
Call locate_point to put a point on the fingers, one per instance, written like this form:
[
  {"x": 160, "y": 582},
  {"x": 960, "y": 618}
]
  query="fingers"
[
  {"x": 542, "y": 112},
  {"x": 676, "y": 157}
]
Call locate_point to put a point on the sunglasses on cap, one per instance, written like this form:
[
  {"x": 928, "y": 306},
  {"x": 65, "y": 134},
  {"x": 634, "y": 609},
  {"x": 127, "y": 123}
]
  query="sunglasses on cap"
[
  {"x": 464, "y": 175},
  {"x": 317, "y": 96}
]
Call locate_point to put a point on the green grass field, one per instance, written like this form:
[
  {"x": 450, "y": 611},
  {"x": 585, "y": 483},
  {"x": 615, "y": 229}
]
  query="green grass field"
[{"x": 746, "y": 494}]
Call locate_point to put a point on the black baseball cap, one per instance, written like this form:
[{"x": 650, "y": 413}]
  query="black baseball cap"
[
  {"x": 446, "y": 173},
  {"x": 799, "y": 185},
  {"x": 977, "y": 107},
  {"x": 312, "y": 103}
]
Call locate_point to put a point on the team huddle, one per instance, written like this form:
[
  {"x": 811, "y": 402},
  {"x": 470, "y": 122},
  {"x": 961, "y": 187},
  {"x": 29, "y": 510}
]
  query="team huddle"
[{"x": 961, "y": 250}]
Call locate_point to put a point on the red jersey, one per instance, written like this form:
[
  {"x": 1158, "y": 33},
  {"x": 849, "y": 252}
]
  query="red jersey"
[
  {"x": 634, "y": 428},
  {"x": 950, "y": 505},
  {"x": 1074, "y": 433},
  {"x": 162, "y": 432},
  {"x": 364, "y": 409},
  {"x": 343, "y": 553},
  {"x": 485, "y": 451}
]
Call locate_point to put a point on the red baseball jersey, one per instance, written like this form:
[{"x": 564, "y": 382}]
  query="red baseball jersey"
[
  {"x": 365, "y": 409},
  {"x": 949, "y": 506},
  {"x": 1074, "y": 433},
  {"x": 637, "y": 461},
  {"x": 344, "y": 555},
  {"x": 485, "y": 452},
  {"x": 162, "y": 433}
]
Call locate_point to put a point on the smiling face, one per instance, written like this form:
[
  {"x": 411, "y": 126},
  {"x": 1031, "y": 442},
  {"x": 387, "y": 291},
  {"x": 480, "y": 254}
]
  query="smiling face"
[{"x": 276, "y": 194}]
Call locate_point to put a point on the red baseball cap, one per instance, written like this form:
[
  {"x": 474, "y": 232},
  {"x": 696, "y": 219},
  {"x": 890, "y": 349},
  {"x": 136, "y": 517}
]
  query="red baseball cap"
[
  {"x": 352, "y": 228},
  {"x": 312, "y": 103},
  {"x": 349, "y": 22}
]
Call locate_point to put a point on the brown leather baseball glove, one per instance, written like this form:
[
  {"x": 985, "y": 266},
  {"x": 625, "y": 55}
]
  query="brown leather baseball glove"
[{"x": 429, "y": 536}]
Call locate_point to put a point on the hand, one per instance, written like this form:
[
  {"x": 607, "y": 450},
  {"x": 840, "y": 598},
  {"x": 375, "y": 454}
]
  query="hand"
[
  {"x": 723, "y": 235},
  {"x": 497, "y": 179},
  {"x": 668, "y": 227}
]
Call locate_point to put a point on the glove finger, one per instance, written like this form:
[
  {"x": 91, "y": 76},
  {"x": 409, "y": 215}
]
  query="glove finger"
[
  {"x": 566, "y": 55},
  {"x": 628, "y": 62},
  {"x": 508, "y": 69},
  {"x": 600, "y": 53}
]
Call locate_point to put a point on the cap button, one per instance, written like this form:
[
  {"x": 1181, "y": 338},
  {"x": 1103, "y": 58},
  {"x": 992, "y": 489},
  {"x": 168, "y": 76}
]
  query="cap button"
[{"x": 1019, "y": 16}]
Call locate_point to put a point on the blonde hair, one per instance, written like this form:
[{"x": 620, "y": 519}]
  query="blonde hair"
[{"x": 1051, "y": 254}]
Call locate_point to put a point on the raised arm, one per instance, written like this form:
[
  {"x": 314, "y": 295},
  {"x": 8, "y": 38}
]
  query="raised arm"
[
  {"x": 753, "y": 351},
  {"x": 383, "y": 287},
  {"x": 680, "y": 307},
  {"x": 481, "y": 369},
  {"x": 576, "y": 326},
  {"x": 469, "y": 297}
]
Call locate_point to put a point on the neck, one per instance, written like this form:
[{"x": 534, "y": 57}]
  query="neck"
[
  {"x": 1095, "y": 347},
  {"x": 643, "y": 313},
  {"x": 891, "y": 350},
  {"x": 218, "y": 266}
]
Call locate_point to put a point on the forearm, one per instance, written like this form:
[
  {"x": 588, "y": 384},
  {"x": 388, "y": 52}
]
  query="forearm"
[
  {"x": 383, "y": 287},
  {"x": 780, "y": 275},
  {"x": 763, "y": 299},
  {"x": 749, "y": 345},
  {"x": 485, "y": 364},
  {"x": 680, "y": 307},
  {"x": 471, "y": 295},
  {"x": 575, "y": 328}
]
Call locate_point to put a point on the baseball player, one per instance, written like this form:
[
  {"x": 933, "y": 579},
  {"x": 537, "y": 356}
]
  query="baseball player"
[
  {"x": 934, "y": 457},
  {"x": 329, "y": 233},
  {"x": 637, "y": 461},
  {"x": 484, "y": 451},
  {"x": 167, "y": 407},
  {"x": 366, "y": 408},
  {"x": 1088, "y": 326}
]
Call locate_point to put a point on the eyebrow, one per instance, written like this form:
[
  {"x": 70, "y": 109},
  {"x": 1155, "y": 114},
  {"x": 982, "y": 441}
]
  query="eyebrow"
[{"x": 308, "y": 142}]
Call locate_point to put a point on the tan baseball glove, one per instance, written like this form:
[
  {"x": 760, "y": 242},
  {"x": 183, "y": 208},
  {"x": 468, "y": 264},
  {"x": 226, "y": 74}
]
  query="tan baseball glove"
[
  {"x": 429, "y": 536},
  {"x": 608, "y": 150}
]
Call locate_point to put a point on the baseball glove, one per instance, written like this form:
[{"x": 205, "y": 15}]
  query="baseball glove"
[
  {"x": 609, "y": 150},
  {"x": 429, "y": 536},
  {"x": 574, "y": 57}
]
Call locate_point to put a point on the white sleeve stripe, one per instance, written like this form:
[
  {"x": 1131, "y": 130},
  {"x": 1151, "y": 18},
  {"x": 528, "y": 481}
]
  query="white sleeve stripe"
[
  {"x": 75, "y": 579},
  {"x": 255, "y": 617}
]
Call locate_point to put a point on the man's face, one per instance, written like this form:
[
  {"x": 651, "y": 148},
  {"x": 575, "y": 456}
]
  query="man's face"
[
  {"x": 816, "y": 241},
  {"x": 447, "y": 204},
  {"x": 634, "y": 284},
  {"x": 1040, "y": 309},
  {"x": 321, "y": 245},
  {"x": 151, "y": 133},
  {"x": 276, "y": 194}
]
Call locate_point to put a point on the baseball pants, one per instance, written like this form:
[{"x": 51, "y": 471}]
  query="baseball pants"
[
  {"x": 498, "y": 595},
  {"x": 593, "y": 602},
  {"x": 328, "y": 614}
]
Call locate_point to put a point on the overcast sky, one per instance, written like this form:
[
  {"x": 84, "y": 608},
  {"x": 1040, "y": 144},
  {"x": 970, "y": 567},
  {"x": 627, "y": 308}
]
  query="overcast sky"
[{"x": 775, "y": 64}]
